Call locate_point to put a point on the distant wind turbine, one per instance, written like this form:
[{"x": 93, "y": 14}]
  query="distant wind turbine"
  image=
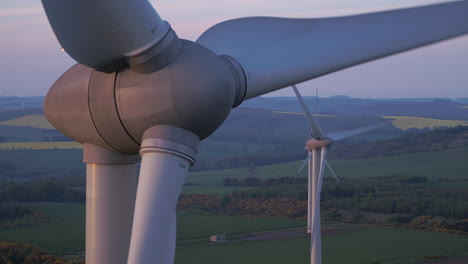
[{"x": 317, "y": 162}]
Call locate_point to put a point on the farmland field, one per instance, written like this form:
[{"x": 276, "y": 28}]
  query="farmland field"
[
  {"x": 44, "y": 159},
  {"x": 365, "y": 245},
  {"x": 297, "y": 113},
  {"x": 62, "y": 235},
  {"x": 40, "y": 145},
  {"x": 407, "y": 122},
  {"x": 36, "y": 121},
  {"x": 65, "y": 232},
  {"x": 451, "y": 164},
  {"x": 359, "y": 245}
]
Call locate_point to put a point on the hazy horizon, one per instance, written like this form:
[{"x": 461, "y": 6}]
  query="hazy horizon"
[{"x": 276, "y": 96}]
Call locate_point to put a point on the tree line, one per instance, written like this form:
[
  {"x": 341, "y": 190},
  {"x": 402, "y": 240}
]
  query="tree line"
[{"x": 42, "y": 191}]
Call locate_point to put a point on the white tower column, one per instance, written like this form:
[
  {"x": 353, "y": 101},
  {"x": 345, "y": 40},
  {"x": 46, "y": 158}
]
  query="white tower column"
[
  {"x": 310, "y": 173},
  {"x": 316, "y": 247},
  {"x": 111, "y": 182}
]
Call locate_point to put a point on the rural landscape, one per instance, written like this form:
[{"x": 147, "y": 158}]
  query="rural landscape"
[{"x": 401, "y": 197}]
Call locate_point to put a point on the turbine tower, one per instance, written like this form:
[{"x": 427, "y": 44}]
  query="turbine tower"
[{"x": 139, "y": 88}]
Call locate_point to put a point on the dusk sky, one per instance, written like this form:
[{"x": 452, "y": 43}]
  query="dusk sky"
[{"x": 31, "y": 58}]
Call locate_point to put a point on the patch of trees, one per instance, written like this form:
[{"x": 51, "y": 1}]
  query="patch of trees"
[
  {"x": 252, "y": 181},
  {"x": 396, "y": 195},
  {"x": 16, "y": 214},
  {"x": 16, "y": 253},
  {"x": 235, "y": 206},
  {"x": 438, "y": 224},
  {"x": 405, "y": 195},
  {"x": 297, "y": 192},
  {"x": 244, "y": 161},
  {"x": 42, "y": 191}
]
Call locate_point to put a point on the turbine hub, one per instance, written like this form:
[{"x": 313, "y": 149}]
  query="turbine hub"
[{"x": 317, "y": 144}]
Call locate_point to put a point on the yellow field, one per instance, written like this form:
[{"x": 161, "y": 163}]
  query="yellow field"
[
  {"x": 407, "y": 122},
  {"x": 40, "y": 145},
  {"x": 402, "y": 122},
  {"x": 36, "y": 121},
  {"x": 296, "y": 113}
]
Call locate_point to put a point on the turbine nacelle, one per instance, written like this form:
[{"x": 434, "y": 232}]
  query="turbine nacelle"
[
  {"x": 194, "y": 92},
  {"x": 317, "y": 144}
]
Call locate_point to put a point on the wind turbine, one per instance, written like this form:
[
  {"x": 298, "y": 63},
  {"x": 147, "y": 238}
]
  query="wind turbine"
[
  {"x": 139, "y": 88},
  {"x": 317, "y": 146}
]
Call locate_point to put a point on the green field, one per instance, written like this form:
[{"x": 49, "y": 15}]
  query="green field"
[
  {"x": 37, "y": 121},
  {"x": 40, "y": 145},
  {"x": 60, "y": 159},
  {"x": 192, "y": 226},
  {"x": 65, "y": 232},
  {"x": 451, "y": 164},
  {"x": 357, "y": 244},
  {"x": 366, "y": 245},
  {"x": 62, "y": 235},
  {"x": 405, "y": 122}
]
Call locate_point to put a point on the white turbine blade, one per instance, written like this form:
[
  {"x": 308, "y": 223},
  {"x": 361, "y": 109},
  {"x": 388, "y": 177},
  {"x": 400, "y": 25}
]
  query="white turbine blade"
[
  {"x": 95, "y": 32},
  {"x": 277, "y": 52},
  {"x": 336, "y": 136},
  {"x": 316, "y": 219},
  {"x": 333, "y": 172},
  {"x": 317, "y": 132},
  {"x": 161, "y": 179},
  {"x": 305, "y": 162}
]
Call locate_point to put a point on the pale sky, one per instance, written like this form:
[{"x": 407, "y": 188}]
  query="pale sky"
[{"x": 31, "y": 58}]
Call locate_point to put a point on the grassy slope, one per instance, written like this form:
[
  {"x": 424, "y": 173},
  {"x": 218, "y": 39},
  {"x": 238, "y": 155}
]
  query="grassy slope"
[
  {"x": 65, "y": 233},
  {"x": 448, "y": 163},
  {"x": 406, "y": 122},
  {"x": 41, "y": 145},
  {"x": 23, "y": 134},
  {"x": 44, "y": 159},
  {"x": 191, "y": 226},
  {"x": 364, "y": 246}
]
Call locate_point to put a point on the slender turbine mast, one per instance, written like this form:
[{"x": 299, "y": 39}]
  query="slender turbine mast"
[{"x": 140, "y": 89}]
